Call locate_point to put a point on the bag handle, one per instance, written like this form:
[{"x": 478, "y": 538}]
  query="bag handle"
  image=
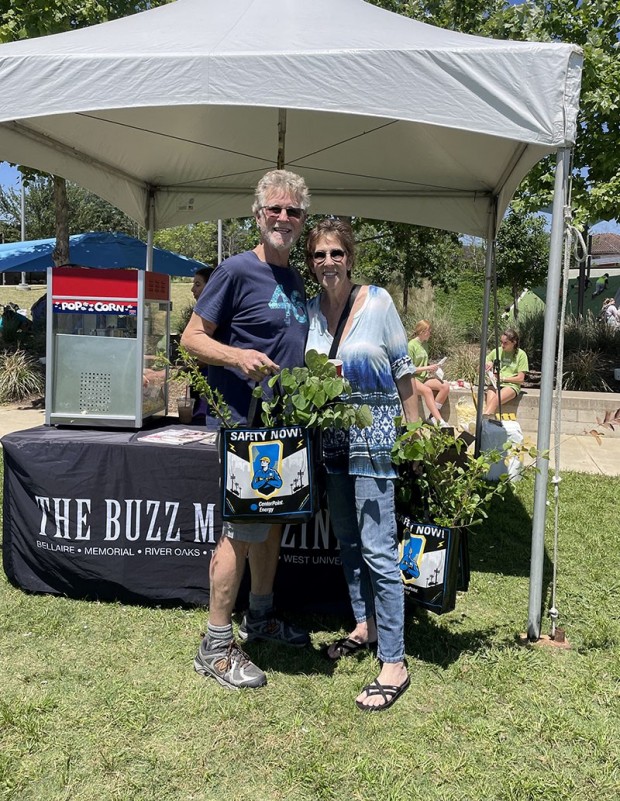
[{"x": 343, "y": 320}]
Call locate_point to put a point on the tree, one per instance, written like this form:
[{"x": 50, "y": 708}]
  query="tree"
[
  {"x": 522, "y": 253},
  {"x": 86, "y": 212},
  {"x": 594, "y": 26},
  {"x": 199, "y": 240},
  {"x": 407, "y": 255}
]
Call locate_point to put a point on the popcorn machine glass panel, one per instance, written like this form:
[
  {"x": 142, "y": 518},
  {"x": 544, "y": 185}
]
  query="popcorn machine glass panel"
[{"x": 105, "y": 329}]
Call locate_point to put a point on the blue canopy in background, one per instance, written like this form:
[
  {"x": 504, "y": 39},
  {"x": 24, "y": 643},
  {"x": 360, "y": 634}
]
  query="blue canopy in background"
[{"x": 94, "y": 250}]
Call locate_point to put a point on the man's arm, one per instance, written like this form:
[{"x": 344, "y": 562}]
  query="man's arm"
[{"x": 198, "y": 340}]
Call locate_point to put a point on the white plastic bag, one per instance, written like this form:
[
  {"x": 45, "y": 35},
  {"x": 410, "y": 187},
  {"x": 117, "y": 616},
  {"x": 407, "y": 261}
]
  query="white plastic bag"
[{"x": 499, "y": 436}]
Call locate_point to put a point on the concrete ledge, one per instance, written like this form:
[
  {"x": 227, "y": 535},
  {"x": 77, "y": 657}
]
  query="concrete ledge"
[{"x": 581, "y": 411}]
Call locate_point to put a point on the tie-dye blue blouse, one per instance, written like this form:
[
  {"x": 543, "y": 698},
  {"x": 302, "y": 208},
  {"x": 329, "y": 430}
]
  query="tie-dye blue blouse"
[{"x": 374, "y": 356}]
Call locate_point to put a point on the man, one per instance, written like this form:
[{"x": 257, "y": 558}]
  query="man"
[{"x": 251, "y": 324}]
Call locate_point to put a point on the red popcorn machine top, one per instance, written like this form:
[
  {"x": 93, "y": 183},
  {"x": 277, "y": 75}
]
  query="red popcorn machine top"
[{"x": 105, "y": 329}]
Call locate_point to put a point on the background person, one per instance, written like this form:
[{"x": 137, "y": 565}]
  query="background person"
[
  {"x": 201, "y": 276},
  {"x": 201, "y": 407},
  {"x": 427, "y": 383},
  {"x": 250, "y": 324},
  {"x": 610, "y": 313},
  {"x": 600, "y": 285},
  {"x": 360, "y": 474},
  {"x": 513, "y": 365}
]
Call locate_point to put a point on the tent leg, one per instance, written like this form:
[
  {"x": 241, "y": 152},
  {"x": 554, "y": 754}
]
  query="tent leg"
[
  {"x": 488, "y": 282},
  {"x": 150, "y": 234},
  {"x": 546, "y": 391}
]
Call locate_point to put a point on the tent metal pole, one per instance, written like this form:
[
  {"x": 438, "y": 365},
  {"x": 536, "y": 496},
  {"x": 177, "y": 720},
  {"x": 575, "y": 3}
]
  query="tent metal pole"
[
  {"x": 545, "y": 403},
  {"x": 488, "y": 282},
  {"x": 150, "y": 234},
  {"x": 281, "y": 160}
]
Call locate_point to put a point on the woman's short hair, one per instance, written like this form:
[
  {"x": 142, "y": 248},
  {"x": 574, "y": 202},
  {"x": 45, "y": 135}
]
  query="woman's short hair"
[
  {"x": 285, "y": 181},
  {"x": 421, "y": 327},
  {"x": 341, "y": 230}
]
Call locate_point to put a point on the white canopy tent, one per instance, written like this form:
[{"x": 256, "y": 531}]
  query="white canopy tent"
[
  {"x": 386, "y": 117},
  {"x": 173, "y": 114}
]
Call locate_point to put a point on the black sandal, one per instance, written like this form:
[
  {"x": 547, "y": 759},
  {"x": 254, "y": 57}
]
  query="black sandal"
[
  {"x": 389, "y": 692},
  {"x": 345, "y": 646}
]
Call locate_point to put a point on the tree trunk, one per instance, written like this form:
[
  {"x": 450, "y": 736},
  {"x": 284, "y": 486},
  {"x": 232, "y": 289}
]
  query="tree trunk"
[
  {"x": 61, "y": 251},
  {"x": 405, "y": 298},
  {"x": 515, "y": 302}
]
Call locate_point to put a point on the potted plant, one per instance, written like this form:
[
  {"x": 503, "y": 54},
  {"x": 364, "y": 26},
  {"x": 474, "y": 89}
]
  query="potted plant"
[{"x": 441, "y": 493}]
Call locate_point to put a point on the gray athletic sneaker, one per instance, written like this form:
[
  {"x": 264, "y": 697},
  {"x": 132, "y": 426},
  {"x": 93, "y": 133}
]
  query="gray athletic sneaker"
[
  {"x": 230, "y": 666},
  {"x": 270, "y": 628}
]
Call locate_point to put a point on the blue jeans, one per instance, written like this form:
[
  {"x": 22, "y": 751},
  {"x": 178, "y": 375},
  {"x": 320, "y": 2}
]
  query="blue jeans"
[{"x": 362, "y": 515}]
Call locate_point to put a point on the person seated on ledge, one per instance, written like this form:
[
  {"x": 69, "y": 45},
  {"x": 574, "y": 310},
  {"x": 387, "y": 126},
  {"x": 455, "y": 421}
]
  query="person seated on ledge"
[
  {"x": 513, "y": 365},
  {"x": 427, "y": 383}
]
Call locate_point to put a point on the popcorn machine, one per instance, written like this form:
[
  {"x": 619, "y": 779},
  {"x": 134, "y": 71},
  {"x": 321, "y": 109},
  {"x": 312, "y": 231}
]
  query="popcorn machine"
[{"x": 105, "y": 329}]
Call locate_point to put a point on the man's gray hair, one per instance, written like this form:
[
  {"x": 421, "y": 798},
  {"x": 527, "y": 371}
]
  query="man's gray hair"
[{"x": 288, "y": 182}]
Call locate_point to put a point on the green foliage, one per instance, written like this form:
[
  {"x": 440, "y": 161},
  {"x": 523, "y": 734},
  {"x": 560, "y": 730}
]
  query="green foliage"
[
  {"x": 313, "y": 396},
  {"x": 24, "y": 19},
  {"x": 187, "y": 373},
  {"x": 595, "y": 27},
  {"x": 199, "y": 240},
  {"x": 86, "y": 211},
  {"x": 591, "y": 349},
  {"x": 463, "y": 362},
  {"x": 522, "y": 253},
  {"x": 583, "y": 371},
  {"x": 406, "y": 255},
  {"x": 450, "y": 479},
  {"x": 20, "y": 376}
]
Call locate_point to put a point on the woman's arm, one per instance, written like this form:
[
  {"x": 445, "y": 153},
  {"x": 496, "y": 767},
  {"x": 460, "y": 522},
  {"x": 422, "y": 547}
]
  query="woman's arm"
[{"x": 406, "y": 386}]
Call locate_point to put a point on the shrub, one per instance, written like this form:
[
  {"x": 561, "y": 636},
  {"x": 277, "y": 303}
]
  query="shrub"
[
  {"x": 182, "y": 319},
  {"x": 582, "y": 371},
  {"x": 20, "y": 376},
  {"x": 463, "y": 362}
]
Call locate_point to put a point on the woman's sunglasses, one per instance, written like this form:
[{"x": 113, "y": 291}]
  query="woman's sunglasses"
[{"x": 336, "y": 255}]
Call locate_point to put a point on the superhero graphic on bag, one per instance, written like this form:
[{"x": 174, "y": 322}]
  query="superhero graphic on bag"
[
  {"x": 410, "y": 552},
  {"x": 266, "y": 479}
]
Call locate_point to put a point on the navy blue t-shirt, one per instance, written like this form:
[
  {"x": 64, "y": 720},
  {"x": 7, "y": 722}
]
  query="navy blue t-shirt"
[{"x": 259, "y": 306}]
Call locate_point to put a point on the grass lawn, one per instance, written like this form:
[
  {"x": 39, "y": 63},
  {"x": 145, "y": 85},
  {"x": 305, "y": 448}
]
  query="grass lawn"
[{"x": 100, "y": 701}]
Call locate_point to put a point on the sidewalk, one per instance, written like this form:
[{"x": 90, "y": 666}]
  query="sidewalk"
[{"x": 583, "y": 454}]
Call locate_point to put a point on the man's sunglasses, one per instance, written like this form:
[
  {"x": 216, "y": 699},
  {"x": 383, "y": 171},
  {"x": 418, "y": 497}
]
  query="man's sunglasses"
[
  {"x": 336, "y": 255},
  {"x": 291, "y": 211}
]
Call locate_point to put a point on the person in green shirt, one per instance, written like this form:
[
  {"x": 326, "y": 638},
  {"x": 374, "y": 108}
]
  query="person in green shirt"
[
  {"x": 426, "y": 381},
  {"x": 513, "y": 365}
]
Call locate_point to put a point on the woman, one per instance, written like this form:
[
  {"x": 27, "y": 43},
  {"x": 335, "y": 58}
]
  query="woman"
[
  {"x": 513, "y": 365},
  {"x": 360, "y": 474},
  {"x": 201, "y": 407},
  {"x": 201, "y": 276},
  {"x": 610, "y": 313},
  {"x": 427, "y": 385}
]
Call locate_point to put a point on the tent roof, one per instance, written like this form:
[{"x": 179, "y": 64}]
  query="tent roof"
[
  {"x": 386, "y": 117},
  {"x": 95, "y": 249}
]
